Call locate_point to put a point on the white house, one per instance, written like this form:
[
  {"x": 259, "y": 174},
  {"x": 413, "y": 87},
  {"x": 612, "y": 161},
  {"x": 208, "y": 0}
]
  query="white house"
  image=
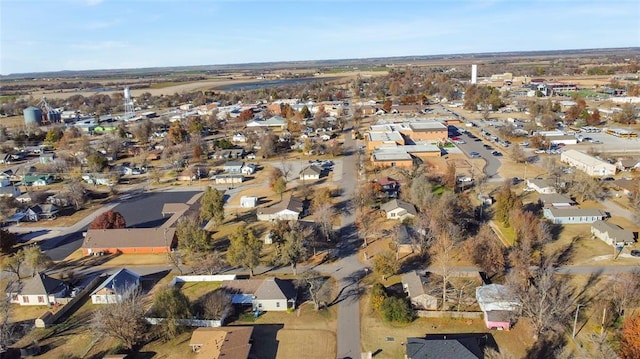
[
  {"x": 269, "y": 294},
  {"x": 233, "y": 167},
  {"x": 311, "y": 173},
  {"x": 588, "y": 164},
  {"x": 248, "y": 169},
  {"x": 545, "y": 186},
  {"x": 248, "y": 201},
  {"x": 398, "y": 209},
  {"x": 573, "y": 215},
  {"x": 288, "y": 210},
  {"x": 228, "y": 179},
  {"x": 555, "y": 200},
  {"x": 38, "y": 290},
  {"x": 112, "y": 289},
  {"x": 612, "y": 234},
  {"x": 239, "y": 138}
]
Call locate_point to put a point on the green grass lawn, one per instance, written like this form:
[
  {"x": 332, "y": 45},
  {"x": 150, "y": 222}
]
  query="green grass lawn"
[{"x": 508, "y": 233}]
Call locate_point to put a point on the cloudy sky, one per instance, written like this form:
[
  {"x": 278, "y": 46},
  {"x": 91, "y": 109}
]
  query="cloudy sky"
[{"x": 54, "y": 35}]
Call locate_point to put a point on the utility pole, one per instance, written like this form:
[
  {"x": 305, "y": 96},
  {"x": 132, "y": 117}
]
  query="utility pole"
[{"x": 575, "y": 322}]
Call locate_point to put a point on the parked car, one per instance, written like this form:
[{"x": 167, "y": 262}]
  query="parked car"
[
  {"x": 474, "y": 155},
  {"x": 496, "y": 153},
  {"x": 635, "y": 253}
]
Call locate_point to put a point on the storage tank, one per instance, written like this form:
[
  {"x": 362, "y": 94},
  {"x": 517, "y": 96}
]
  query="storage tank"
[
  {"x": 53, "y": 116},
  {"x": 32, "y": 116}
]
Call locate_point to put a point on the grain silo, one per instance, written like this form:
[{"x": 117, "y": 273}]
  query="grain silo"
[{"x": 32, "y": 116}]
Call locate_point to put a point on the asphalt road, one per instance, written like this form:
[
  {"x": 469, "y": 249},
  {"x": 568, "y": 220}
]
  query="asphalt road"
[
  {"x": 493, "y": 162},
  {"x": 348, "y": 270}
]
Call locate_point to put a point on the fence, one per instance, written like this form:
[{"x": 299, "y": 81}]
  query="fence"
[
  {"x": 447, "y": 314},
  {"x": 188, "y": 322},
  {"x": 201, "y": 278},
  {"x": 49, "y": 318}
]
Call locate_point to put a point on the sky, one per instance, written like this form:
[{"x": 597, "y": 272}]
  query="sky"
[{"x": 56, "y": 35}]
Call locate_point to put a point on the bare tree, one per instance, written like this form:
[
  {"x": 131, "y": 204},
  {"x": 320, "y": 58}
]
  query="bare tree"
[
  {"x": 123, "y": 320},
  {"x": 209, "y": 262},
  {"x": 444, "y": 253},
  {"x": 325, "y": 214},
  {"x": 216, "y": 304},
  {"x": 318, "y": 286},
  {"x": 624, "y": 291},
  {"x": 546, "y": 299},
  {"x": 7, "y": 327}
]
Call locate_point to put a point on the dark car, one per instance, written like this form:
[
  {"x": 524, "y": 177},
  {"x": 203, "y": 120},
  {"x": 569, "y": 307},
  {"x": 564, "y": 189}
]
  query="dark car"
[
  {"x": 496, "y": 153},
  {"x": 488, "y": 147},
  {"x": 635, "y": 252}
]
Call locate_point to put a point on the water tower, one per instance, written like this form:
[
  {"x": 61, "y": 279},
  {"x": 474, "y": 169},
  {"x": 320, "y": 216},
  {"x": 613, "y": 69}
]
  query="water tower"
[
  {"x": 474, "y": 74},
  {"x": 129, "y": 112}
]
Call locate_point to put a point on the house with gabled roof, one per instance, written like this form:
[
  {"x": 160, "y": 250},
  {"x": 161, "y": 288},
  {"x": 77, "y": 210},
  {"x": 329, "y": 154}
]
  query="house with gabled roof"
[
  {"x": 269, "y": 294},
  {"x": 612, "y": 234},
  {"x": 398, "y": 209},
  {"x": 222, "y": 342},
  {"x": 458, "y": 346},
  {"x": 38, "y": 290},
  {"x": 413, "y": 286},
  {"x": 311, "y": 173},
  {"x": 112, "y": 289},
  {"x": 290, "y": 209},
  {"x": 555, "y": 200},
  {"x": 541, "y": 185},
  {"x": 41, "y": 211},
  {"x": 498, "y": 304}
]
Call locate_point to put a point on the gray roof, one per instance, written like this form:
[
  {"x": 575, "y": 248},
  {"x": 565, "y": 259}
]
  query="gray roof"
[
  {"x": 234, "y": 164},
  {"x": 444, "y": 346},
  {"x": 396, "y": 203},
  {"x": 311, "y": 170},
  {"x": 551, "y": 198},
  {"x": 493, "y": 297},
  {"x": 291, "y": 203},
  {"x": 42, "y": 284},
  {"x": 541, "y": 183},
  {"x": 615, "y": 232},
  {"x": 274, "y": 288},
  {"x": 413, "y": 284},
  {"x": 120, "y": 281},
  {"x": 575, "y": 212}
]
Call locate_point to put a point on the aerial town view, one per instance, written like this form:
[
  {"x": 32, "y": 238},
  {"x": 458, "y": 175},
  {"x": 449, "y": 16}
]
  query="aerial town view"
[{"x": 319, "y": 179}]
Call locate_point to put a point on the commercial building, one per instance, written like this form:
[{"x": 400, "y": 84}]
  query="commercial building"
[{"x": 588, "y": 164}]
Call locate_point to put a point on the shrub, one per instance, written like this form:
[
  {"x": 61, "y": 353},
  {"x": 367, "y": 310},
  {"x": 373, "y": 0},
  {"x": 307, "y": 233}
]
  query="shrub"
[
  {"x": 396, "y": 310},
  {"x": 378, "y": 295}
]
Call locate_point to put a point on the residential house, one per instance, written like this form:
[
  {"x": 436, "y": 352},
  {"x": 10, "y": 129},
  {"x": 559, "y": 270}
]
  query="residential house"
[
  {"x": 60, "y": 200},
  {"x": 275, "y": 122},
  {"x": 498, "y": 304},
  {"x": 38, "y": 290},
  {"x": 248, "y": 201},
  {"x": 628, "y": 164},
  {"x": 112, "y": 289},
  {"x": 573, "y": 215},
  {"x": 612, "y": 234},
  {"x": 25, "y": 198},
  {"x": 97, "y": 180},
  {"x": 228, "y": 179},
  {"x": 229, "y": 154},
  {"x": 588, "y": 164},
  {"x": 269, "y": 294},
  {"x": 233, "y": 167},
  {"x": 542, "y": 185},
  {"x": 248, "y": 169},
  {"x": 413, "y": 286},
  {"x": 311, "y": 173},
  {"x": 627, "y": 186},
  {"x": 37, "y": 180},
  {"x": 398, "y": 209},
  {"x": 222, "y": 342},
  {"x": 555, "y": 200},
  {"x": 239, "y": 138},
  {"x": 9, "y": 191},
  {"x": 389, "y": 186},
  {"x": 46, "y": 158},
  {"x": 290, "y": 209},
  {"x": 129, "y": 240},
  {"x": 458, "y": 346},
  {"x": 41, "y": 211}
]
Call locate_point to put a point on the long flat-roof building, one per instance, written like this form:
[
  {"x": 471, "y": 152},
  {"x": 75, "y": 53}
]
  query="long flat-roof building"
[{"x": 588, "y": 164}]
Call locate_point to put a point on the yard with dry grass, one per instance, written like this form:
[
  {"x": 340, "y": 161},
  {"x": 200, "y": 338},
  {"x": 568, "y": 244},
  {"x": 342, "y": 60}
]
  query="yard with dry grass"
[{"x": 387, "y": 339}]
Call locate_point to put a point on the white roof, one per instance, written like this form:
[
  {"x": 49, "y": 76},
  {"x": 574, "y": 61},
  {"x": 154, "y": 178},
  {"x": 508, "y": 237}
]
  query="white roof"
[
  {"x": 385, "y": 136},
  {"x": 583, "y": 158},
  {"x": 496, "y": 297}
]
